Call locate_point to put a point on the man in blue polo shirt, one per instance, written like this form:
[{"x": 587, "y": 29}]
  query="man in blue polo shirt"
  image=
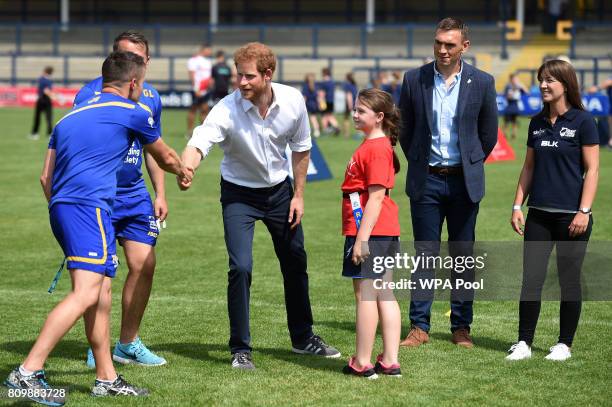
[
  {"x": 134, "y": 218},
  {"x": 79, "y": 180}
]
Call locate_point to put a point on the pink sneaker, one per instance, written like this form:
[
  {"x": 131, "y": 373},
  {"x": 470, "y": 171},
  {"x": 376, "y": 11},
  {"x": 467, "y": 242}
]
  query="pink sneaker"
[
  {"x": 366, "y": 371},
  {"x": 393, "y": 370}
]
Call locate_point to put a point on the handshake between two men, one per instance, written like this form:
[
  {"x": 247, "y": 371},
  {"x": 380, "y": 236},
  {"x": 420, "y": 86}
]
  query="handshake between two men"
[{"x": 191, "y": 158}]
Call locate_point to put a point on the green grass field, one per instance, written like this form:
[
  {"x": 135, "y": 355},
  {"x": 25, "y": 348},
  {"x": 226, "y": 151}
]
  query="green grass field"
[{"x": 187, "y": 323}]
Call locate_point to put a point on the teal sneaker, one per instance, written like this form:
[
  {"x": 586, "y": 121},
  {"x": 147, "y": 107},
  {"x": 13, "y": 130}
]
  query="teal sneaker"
[
  {"x": 136, "y": 352},
  {"x": 36, "y": 388},
  {"x": 91, "y": 361}
]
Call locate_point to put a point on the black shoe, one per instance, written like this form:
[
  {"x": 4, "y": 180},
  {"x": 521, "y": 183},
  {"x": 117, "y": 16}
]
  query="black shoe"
[
  {"x": 366, "y": 372},
  {"x": 117, "y": 388},
  {"x": 393, "y": 370},
  {"x": 242, "y": 360},
  {"x": 316, "y": 346},
  {"x": 36, "y": 383}
]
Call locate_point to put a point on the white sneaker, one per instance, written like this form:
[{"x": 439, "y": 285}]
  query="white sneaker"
[
  {"x": 519, "y": 351},
  {"x": 559, "y": 352},
  {"x": 33, "y": 136}
]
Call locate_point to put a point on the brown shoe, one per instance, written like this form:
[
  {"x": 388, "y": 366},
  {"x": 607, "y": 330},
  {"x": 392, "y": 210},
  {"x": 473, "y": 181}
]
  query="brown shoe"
[
  {"x": 416, "y": 337},
  {"x": 461, "y": 337}
]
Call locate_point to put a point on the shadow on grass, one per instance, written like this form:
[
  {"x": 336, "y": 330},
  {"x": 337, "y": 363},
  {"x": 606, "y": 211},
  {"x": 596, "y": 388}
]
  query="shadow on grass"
[
  {"x": 197, "y": 351},
  {"x": 66, "y": 349},
  {"x": 21, "y": 403},
  {"x": 305, "y": 361},
  {"x": 481, "y": 342},
  {"x": 204, "y": 352},
  {"x": 350, "y": 326}
]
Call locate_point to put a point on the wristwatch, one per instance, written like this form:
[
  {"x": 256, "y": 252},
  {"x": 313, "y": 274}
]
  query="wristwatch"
[{"x": 586, "y": 211}]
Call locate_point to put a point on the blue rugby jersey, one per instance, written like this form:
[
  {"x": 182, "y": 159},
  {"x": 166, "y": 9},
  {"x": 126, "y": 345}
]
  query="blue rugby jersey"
[
  {"x": 91, "y": 143},
  {"x": 129, "y": 178}
]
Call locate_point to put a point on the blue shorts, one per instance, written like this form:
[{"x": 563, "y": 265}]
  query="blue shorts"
[
  {"x": 134, "y": 219},
  {"x": 379, "y": 246},
  {"x": 86, "y": 235}
]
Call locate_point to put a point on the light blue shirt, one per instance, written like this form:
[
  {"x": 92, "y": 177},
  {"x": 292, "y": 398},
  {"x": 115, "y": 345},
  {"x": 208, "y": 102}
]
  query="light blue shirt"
[{"x": 445, "y": 137}]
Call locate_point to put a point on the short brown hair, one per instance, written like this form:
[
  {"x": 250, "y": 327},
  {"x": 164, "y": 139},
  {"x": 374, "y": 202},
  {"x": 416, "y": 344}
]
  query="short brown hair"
[
  {"x": 121, "y": 67},
  {"x": 258, "y": 52},
  {"x": 563, "y": 72},
  {"x": 132, "y": 36},
  {"x": 452, "y": 23}
]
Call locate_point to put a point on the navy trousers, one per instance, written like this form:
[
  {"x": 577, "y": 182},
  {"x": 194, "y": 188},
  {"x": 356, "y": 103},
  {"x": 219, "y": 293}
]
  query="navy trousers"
[
  {"x": 242, "y": 207},
  {"x": 444, "y": 197}
]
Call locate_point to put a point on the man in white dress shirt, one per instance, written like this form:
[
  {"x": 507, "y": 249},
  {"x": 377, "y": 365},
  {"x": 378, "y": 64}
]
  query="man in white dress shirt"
[{"x": 253, "y": 126}]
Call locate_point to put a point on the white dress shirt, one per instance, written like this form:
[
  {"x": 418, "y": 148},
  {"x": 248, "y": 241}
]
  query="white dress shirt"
[{"x": 254, "y": 148}]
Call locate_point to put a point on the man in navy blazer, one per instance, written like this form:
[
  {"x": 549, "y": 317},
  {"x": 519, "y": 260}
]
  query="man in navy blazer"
[{"x": 449, "y": 127}]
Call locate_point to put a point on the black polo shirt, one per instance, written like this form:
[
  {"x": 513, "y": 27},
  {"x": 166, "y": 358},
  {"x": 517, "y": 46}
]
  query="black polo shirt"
[{"x": 558, "y": 167}]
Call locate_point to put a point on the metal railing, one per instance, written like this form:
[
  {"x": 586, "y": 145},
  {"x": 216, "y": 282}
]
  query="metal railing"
[
  {"x": 170, "y": 80},
  {"x": 577, "y": 26},
  {"x": 595, "y": 71},
  {"x": 205, "y": 33}
]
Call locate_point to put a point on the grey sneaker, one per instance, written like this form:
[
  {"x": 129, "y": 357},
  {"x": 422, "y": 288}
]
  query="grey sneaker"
[
  {"x": 117, "y": 388},
  {"x": 40, "y": 390},
  {"x": 242, "y": 360},
  {"x": 316, "y": 346}
]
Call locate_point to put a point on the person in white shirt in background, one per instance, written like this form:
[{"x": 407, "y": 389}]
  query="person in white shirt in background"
[
  {"x": 253, "y": 126},
  {"x": 200, "y": 72}
]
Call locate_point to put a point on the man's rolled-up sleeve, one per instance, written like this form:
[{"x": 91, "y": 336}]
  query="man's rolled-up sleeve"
[
  {"x": 300, "y": 140},
  {"x": 209, "y": 133}
]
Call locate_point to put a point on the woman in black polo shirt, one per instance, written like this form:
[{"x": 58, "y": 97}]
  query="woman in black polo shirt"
[{"x": 560, "y": 177}]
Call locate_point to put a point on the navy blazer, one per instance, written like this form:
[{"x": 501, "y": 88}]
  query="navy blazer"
[{"x": 477, "y": 126}]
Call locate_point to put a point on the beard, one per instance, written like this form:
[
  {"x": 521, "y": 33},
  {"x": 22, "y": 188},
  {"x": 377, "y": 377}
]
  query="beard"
[{"x": 253, "y": 93}]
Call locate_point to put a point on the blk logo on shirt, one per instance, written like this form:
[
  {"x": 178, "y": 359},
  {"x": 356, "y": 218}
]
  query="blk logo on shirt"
[{"x": 548, "y": 143}]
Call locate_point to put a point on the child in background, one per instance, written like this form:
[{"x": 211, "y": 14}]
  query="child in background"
[
  {"x": 309, "y": 90},
  {"x": 350, "y": 94},
  {"x": 369, "y": 176},
  {"x": 327, "y": 89},
  {"x": 513, "y": 92}
]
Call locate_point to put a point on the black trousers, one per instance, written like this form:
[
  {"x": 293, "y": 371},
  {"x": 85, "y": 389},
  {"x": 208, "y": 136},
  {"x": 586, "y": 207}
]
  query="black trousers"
[
  {"x": 242, "y": 207},
  {"x": 43, "y": 105},
  {"x": 543, "y": 231}
]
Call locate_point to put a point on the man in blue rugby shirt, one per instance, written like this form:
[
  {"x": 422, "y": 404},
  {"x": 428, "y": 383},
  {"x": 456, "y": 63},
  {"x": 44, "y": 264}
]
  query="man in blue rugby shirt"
[
  {"x": 134, "y": 218},
  {"x": 79, "y": 180}
]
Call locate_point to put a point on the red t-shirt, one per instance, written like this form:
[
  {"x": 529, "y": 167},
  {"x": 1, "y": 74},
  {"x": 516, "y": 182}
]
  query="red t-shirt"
[{"x": 371, "y": 164}]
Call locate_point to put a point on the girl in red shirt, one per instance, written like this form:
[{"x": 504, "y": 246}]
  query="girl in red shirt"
[{"x": 369, "y": 176}]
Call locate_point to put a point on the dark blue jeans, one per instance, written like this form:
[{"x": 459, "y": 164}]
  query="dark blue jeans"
[
  {"x": 242, "y": 207},
  {"x": 444, "y": 197}
]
